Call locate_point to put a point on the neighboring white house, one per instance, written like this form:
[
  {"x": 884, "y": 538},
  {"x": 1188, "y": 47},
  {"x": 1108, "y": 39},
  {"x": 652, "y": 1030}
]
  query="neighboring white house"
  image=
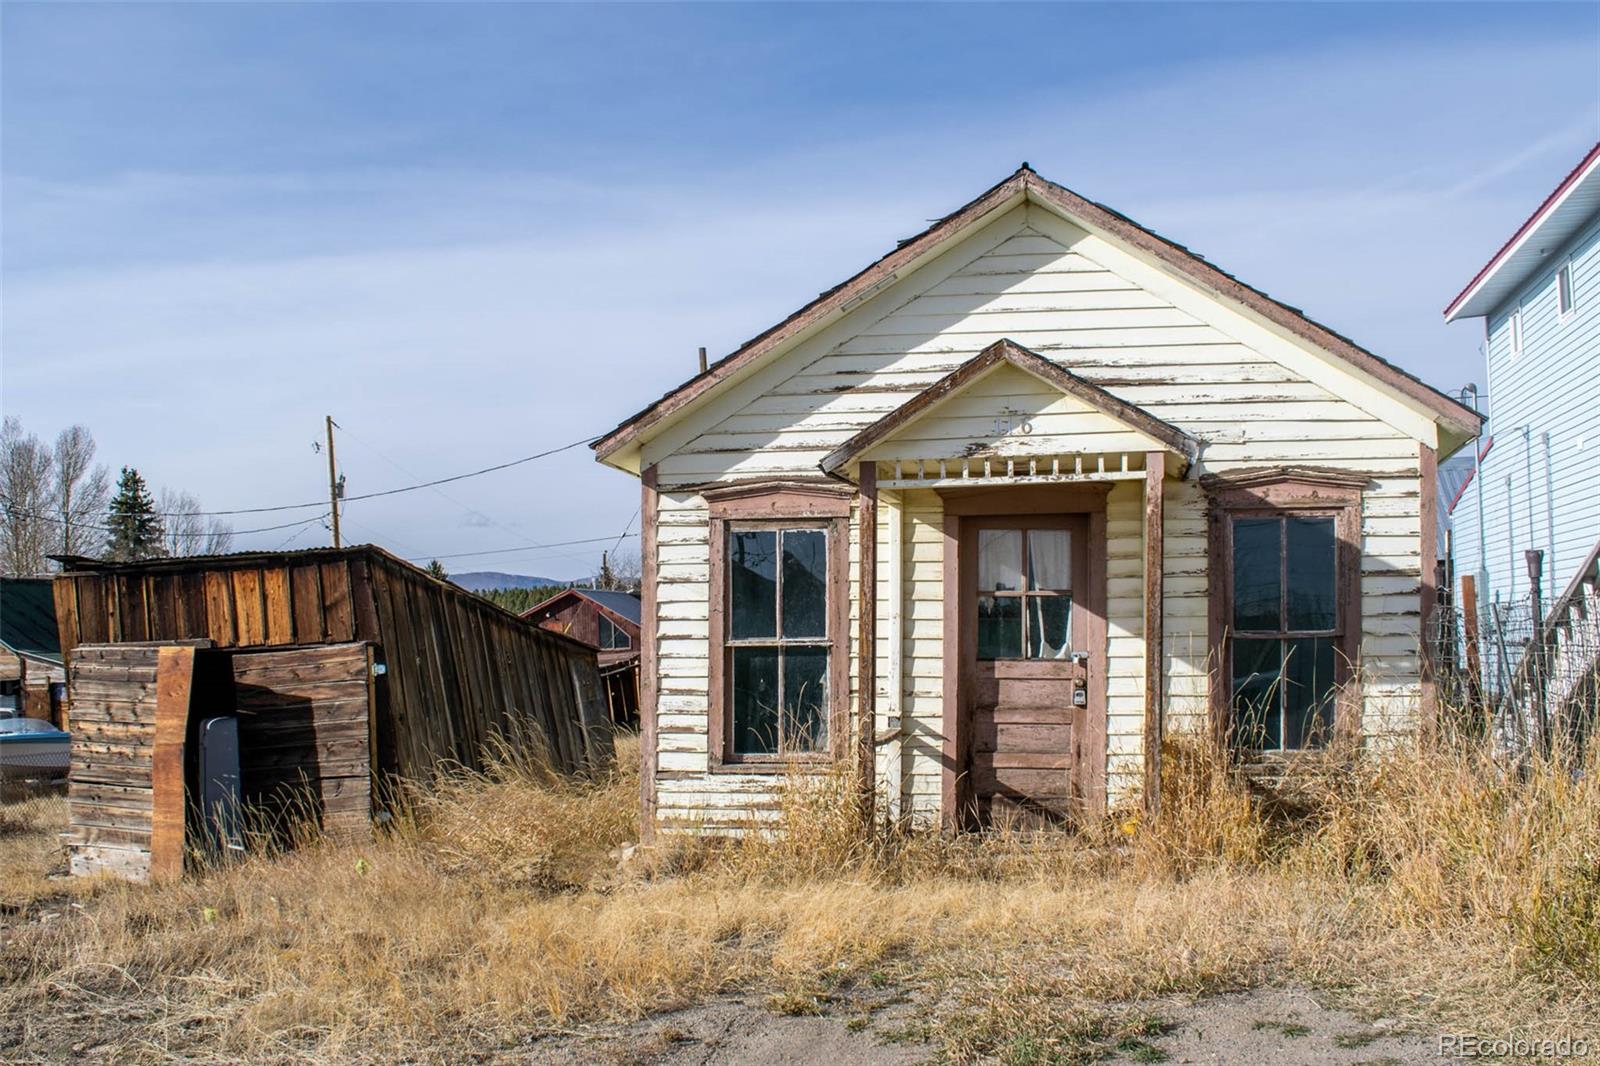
[
  {"x": 1539, "y": 298},
  {"x": 1088, "y": 487}
]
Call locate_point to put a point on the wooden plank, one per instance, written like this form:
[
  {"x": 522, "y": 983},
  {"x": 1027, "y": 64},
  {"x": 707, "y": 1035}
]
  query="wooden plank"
[
  {"x": 65, "y": 594},
  {"x": 1154, "y": 627},
  {"x": 649, "y": 536},
  {"x": 174, "y": 678},
  {"x": 94, "y": 622},
  {"x": 1428, "y": 511},
  {"x": 219, "y": 609},
  {"x": 279, "y": 616},
  {"x": 305, "y": 594},
  {"x": 337, "y": 616},
  {"x": 249, "y": 606},
  {"x": 363, "y": 598},
  {"x": 867, "y": 633}
]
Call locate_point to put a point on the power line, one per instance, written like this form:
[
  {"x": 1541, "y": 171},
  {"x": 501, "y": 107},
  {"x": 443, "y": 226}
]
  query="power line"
[
  {"x": 385, "y": 492},
  {"x": 171, "y": 533},
  {"x": 530, "y": 547}
]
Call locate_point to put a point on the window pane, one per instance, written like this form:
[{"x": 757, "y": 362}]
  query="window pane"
[
  {"x": 1313, "y": 548},
  {"x": 1050, "y": 559},
  {"x": 805, "y": 699},
  {"x": 755, "y": 701},
  {"x": 1049, "y": 627},
  {"x": 1308, "y": 692},
  {"x": 1000, "y": 561},
  {"x": 752, "y": 583},
  {"x": 1255, "y": 574},
  {"x": 1256, "y": 693},
  {"x": 999, "y": 627},
  {"x": 1564, "y": 289},
  {"x": 805, "y": 583}
]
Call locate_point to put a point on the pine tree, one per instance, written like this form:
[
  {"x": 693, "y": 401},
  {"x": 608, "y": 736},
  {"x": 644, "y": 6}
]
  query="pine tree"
[
  {"x": 436, "y": 569},
  {"x": 135, "y": 529}
]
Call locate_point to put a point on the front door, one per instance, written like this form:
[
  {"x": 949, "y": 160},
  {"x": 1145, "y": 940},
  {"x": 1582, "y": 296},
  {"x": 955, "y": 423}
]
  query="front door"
[{"x": 1025, "y": 627}]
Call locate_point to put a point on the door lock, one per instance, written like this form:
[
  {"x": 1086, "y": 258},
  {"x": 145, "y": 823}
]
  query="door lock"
[{"x": 1080, "y": 698}]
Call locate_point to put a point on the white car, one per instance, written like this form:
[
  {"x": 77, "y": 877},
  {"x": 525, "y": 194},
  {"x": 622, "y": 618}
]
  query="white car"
[{"x": 33, "y": 749}]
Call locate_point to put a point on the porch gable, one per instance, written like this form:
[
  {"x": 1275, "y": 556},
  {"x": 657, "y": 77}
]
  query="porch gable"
[{"x": 1011, "y": 406}]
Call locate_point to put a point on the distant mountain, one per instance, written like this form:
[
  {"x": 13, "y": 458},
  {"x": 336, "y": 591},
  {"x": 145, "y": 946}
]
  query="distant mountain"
[{"x": 487, "y": 580}]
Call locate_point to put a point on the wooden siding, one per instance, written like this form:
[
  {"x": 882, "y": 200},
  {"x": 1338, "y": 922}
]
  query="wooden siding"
[
  {"x": 459, "y": 671},
  {"x": 305, "y": 734},
  {"x": 1534, "y": 496},
  {"x": 1247, "y": 395}
]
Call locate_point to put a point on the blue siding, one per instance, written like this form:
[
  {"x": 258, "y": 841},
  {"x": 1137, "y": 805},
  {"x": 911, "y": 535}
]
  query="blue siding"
[{"x": 1541, "y": 482}]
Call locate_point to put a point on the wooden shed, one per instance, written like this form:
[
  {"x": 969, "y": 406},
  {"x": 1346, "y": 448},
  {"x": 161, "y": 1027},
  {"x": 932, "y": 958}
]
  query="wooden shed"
[{"x": 345, "y": 669}]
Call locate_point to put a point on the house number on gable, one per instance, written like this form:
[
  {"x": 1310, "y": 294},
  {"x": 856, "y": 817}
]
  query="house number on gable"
[{"x": 1009, "y": 419}]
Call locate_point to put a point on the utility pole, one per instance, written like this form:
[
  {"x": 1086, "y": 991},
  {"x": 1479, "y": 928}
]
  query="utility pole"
[{"x": 333, "y": 485}]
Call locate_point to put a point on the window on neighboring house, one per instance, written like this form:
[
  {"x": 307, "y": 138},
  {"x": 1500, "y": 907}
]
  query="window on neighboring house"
[
  {"x": 1564, "y": 290},
  {"x": 1514, "y": 332},
  {"x": 779, "y": 660},
  {"x": 612, "y": 637},
  {"x": 1285, "y": 613}
]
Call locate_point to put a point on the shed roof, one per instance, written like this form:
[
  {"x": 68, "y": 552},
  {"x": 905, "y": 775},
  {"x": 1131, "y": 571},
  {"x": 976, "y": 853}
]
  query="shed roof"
[
  {"x": 1025, "y": 184},
  {"x": 1562, "y": 214},
  {"x": 28, "y": 618}
]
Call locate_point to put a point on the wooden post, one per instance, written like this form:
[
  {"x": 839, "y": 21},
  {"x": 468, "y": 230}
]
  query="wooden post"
[
  {"x": 1536, "y": 647},
  {"x": 649, "y": 517},
  {"x": 867, "y": 646},
  {"x": 333, "y": 485},
  {"x": 1155, "y": 468},
  {"x": 1428, "y": 512},
  {"x": 1469, "y": 636},
  {"x": 169, "y": 794},
  {"x": 895, "y": 638}
]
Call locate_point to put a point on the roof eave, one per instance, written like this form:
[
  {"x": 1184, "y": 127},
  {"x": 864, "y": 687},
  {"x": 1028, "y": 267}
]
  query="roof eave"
[{"x": 1470, "y": 301}]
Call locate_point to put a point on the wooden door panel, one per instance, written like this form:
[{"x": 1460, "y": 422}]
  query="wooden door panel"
[{"x": 1021, "y": 711}]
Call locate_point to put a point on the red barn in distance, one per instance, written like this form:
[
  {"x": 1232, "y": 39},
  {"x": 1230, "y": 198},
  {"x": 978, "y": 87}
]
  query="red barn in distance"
[{"x": 609, "y": 621}]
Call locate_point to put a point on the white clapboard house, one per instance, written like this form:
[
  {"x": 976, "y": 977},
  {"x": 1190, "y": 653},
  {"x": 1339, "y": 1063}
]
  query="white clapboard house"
[{"x": 996, "y": 512}]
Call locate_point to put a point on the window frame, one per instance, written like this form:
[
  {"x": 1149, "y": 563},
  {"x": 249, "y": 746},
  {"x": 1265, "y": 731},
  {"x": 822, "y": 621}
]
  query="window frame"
[
  {"x": 1514, "y": 332},
  {"x": 824, "y": 507},
  {"x": 1027, "y": 592},
  {"x": 1286, "y": 493},
  {"x": 622, "y": 634},
  {"x": 1565, "y": 313}
]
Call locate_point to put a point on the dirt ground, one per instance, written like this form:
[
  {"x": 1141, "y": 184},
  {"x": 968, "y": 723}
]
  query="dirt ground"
[{"x": 1286, "y": 1026}]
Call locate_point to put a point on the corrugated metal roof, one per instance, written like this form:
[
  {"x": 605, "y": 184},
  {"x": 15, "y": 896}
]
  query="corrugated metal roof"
[
  {"x": 1563, "y": 213},
  {"x": 28, "y": 617},
  {"x": 624, "y": 603}
]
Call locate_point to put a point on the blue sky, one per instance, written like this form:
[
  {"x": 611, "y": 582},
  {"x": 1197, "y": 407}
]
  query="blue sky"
[{"x": 474, "y": 232}]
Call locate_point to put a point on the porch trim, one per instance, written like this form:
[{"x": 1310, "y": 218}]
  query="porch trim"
[{"x": 1006, "y": 351}]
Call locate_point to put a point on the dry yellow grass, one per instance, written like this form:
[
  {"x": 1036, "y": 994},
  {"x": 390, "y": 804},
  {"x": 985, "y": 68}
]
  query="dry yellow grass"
[{"x": 1426, "y": 884}]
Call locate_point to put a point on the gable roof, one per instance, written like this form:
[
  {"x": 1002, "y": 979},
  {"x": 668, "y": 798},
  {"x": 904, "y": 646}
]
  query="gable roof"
[
  {"x": 1009, "y": 352},
  {"x": 1026, "y": 184},
  {"x": 1564, "y": 212},
  {"x": 28, "y": 618},
  {"x": 625, "y": 605}
]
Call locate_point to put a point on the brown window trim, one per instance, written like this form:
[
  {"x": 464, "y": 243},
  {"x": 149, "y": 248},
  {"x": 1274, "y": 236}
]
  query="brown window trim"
[
  {"x": 1286, "y": 491},
  {"x": 779, "y": 505}
]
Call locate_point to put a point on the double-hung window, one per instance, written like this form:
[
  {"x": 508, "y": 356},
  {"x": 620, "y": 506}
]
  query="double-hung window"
[
  {"x": 1285, "y": 630},
  {"x": 1285, "y": 607},
  {"x": 777, "y": 640},
  {"x": 779, "y": 668}
]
